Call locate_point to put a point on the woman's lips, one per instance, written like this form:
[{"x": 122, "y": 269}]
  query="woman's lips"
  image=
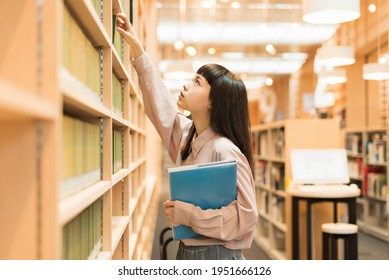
[{"x": 181, "y": 95}]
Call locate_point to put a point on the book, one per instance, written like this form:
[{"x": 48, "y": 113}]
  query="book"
[{"x": 207, "y": 185}]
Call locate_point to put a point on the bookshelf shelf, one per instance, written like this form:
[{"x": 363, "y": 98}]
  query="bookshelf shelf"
[
  {"x": 90, "y": 22},
  {"x": 272, "y": 143},
  {"x": 79, "y": 100},
  {"x": 119, "y": 225},
  {"x": 120, "y": 175},
  {"x": 119, "y": 121},
  {"x": 73, "y": 205},
  {"x": 17, "y": 103},
  {"x": 118, "y": 66},
  {"x": 369, "y": 171}
]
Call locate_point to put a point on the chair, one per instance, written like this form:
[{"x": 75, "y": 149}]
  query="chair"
[
  {"x": 163, "y": 243},
  {"x": 331, "y": 232}
]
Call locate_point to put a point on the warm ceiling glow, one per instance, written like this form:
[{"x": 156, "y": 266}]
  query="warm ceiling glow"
[
  {"x": 190, "y": 50},
  {"x": 270, "y": 49},
  {"x": 178, "y": 45},
  {"x": 269, "y": 81},
  {"x": 245, "y": 33},
  {"x": 211, "y": 51},
  {"x": 372, "y": 8},
  {"x": 330, "y": 12},
  {"x": 235, "y": 5}
]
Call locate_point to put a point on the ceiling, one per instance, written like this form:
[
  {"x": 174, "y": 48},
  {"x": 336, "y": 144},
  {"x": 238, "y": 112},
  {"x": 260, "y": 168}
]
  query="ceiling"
[{"x": 238, "y": 36}]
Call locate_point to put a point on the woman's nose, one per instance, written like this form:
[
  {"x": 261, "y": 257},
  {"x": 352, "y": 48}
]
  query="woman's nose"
[{"x": 186, "y": 87}]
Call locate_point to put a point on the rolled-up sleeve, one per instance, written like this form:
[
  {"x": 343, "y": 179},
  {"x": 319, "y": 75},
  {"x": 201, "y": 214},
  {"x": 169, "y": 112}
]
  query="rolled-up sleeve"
[{"x": 160, "y": 106}]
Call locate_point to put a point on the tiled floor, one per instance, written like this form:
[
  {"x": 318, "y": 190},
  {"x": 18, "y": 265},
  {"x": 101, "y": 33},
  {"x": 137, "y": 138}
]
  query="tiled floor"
[{"x": 369, "y": 248}]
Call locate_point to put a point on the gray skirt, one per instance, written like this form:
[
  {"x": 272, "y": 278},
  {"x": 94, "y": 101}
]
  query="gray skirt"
[{"x": 210, "y": 252}]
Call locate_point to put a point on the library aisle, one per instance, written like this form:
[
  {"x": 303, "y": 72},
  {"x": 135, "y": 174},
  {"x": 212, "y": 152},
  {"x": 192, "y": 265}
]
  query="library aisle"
[{"x": 369, "y": 248}]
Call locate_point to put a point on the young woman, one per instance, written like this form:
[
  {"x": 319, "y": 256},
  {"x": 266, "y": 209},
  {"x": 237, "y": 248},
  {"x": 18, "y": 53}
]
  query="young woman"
[{"x": 220, "y": 130}]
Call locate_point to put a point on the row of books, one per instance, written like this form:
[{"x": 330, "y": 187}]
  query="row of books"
[
  {"x": 79, "y": 57},
  {"x": 355, "y": 166},
  {"x": 377, "y": 185},
  {"x": 260, "y": 172},
  {"x": 263, "y": 201},
  {"x": 278, "y": 143},
  {"x": 134, "y": 111},
  {"x": 117, "y": 150},
  {"x": 277, "y": 177},
  {"x": 82, "y": 236},
  {"x": 366, "y": 172},
  {"x": 271, "y": 175},
  {"x": 275, "y": 148},
  {"x": 117, "y": 95},
  {"x": 278, "y": 209},
  {"x": 376, "y": 150},
  {"x": 354, "y": 144},
  {"x": 117, "y": 39},
  {"x": 277, "y": 205},
  {"x": 81, "y": 154},
  {"x": 97, "y": 5}
]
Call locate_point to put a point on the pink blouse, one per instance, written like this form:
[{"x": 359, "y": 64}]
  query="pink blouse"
[{"x": 233, "y": 225}]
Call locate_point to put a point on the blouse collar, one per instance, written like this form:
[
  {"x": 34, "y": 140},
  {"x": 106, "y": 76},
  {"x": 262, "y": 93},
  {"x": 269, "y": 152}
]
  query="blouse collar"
[{"x": 201, "y": 140}]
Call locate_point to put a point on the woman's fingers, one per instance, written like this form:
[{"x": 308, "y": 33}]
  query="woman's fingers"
[{"x": 122, "y": 19}]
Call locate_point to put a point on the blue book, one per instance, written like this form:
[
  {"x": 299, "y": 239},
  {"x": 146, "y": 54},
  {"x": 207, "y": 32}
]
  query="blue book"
[{"x": 207, "y": 185}]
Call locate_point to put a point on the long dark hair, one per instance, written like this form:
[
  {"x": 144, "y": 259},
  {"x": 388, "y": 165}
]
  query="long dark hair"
[{"x": 229, "y": 109}]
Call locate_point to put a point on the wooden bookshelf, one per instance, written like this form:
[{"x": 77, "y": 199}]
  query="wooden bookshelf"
[
  {"x": 272, "y": 143},
  {"x": 368, "y": 167},
  {"x": 109, "y": 128}
]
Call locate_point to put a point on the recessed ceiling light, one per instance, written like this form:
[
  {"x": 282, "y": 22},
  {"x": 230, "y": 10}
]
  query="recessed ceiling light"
[
  {"x": 211, "y": 51},
  {"x": 190, "y": 50},
  {"x": 235, "y": 5},
  {"x": 372, "y": 8},
  {"x": 178, "y": 45}
]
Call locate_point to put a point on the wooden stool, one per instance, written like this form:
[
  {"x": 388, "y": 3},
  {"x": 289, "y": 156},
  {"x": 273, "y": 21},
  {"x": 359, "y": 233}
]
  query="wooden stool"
[{"x": 331, "y": 232}]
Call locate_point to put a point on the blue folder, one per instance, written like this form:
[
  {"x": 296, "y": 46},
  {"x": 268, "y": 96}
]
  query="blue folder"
[{"x": 207, "y": 185}]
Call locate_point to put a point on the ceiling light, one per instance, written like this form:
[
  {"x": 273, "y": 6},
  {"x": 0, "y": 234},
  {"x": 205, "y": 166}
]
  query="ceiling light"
[
  {"x": 335, "y": 56},
  {"x": 191, "y": 51},
  {"x": 330, "y": 12},
  {"x": 376, "y": 71},
  {"x": 294, "y": 56},
  {"x": 178, "y": 45},
  {"x": 206, "y": 4},
  {"x": 211, "y": 51},
  {"x": 179, "y": 70},
  {"x": 270, "y": 49},
  {"x": 235, "y": 5},
  {"x": 269, "y": 81},
  {"x": 372, "y": 8},
  {"x": 232, "y": 55},
  {"x": 336, "y": 76}
]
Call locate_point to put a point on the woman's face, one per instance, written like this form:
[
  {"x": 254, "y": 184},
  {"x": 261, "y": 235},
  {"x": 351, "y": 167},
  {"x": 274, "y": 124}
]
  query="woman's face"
[{"x": 195, "y": 96}]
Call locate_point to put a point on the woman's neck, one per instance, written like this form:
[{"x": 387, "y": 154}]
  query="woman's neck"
[{"x": 201, "y": 123}]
